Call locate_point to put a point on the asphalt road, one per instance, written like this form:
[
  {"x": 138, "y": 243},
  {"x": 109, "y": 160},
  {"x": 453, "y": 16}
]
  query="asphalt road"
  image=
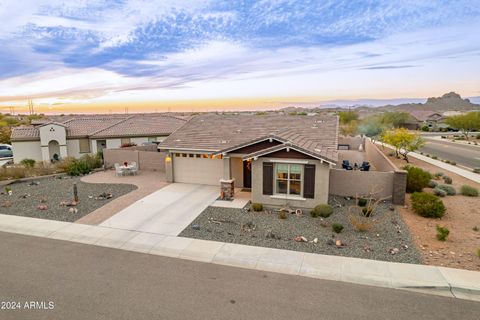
[
  {"x": 463, "y": 155},
  {"x": 89, "y": 282}
]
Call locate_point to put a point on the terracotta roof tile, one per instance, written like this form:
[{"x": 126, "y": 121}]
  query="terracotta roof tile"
[{"x": 214, "y": 133}]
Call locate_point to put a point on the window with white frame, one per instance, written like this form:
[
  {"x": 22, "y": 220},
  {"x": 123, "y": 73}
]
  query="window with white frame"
[{"x": 288, "y": 179}]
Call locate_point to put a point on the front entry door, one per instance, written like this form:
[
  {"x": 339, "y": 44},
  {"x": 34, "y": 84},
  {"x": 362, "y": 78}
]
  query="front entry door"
[{"x": 247, "y": 174}]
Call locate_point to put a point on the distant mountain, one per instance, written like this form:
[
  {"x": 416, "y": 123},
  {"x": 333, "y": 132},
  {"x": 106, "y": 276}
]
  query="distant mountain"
[{"x": 448, "y": 102}]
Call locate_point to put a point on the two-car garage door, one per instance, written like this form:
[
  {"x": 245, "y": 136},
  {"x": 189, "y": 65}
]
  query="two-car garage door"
[{"x": 197, "y": 170}]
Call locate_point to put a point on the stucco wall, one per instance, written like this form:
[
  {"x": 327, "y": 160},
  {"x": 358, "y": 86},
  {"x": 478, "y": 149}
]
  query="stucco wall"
[
  {"x": 26, "y": 150},
  {"x": 52, "y": 132},
  {"x": 378, "y": 158},
  {"x": 146, "y": 160},
  {"x": 356, "y": 182},
  {"x": 321, "y": 186},
  {"x": 236, "y": 167},
  {"x": 353, "y": 142}
]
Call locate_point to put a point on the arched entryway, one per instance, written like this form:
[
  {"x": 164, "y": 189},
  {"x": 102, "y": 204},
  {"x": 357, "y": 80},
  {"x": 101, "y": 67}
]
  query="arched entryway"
[{"x": 54, "y": 150}]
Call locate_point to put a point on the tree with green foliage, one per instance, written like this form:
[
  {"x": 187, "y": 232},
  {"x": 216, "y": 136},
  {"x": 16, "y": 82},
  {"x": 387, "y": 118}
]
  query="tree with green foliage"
[
  {"x": 371, "y": 126},
  {"x": 347, "y": 116},
  {"x": 466, "y": 122},
  {"x": 403, "y": 141},
  {"x": 394, "y": 119},
  {"x": 5, "y": 133}
]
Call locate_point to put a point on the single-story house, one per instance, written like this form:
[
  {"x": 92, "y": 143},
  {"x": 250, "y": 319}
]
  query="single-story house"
[
  {"x": 281, "y": 159},
  {"x": 77, "y": 136},
  {"x": 428, "y": 118}
]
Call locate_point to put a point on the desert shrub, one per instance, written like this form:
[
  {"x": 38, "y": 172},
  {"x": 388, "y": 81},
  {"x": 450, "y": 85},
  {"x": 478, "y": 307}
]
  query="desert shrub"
[
  {"x": 439, "y": 192},
  {"x": 438, "y": 175},
  {"x": 432, "y": 184},
  {"x": 337, "y": 227},
  {"x": 434, "y": 157},
  {"x": 42, "y": 169},
  {"x": 362, "y": 202},
  {"x": 442, "y": 233},
  {"x": 453, "y": 163},
  {"x": 65, "y": 163},
  {"x": 417, "y": 179},
  {"x": 78, "y": 167},
  {"x": 476, "y": 228},
  {"x": 448, "y": 189},
  {"x": 469, "y": 191},
  {"x": 427, "y": 205},
  {"x": 14, "y": 172},
  {"x": 94, "y": 161},
  {"x": 447, "y": 180},
  {"x": 360, "y": 224},
  {"x": 367, "y": 212},
  {"x": 425, "y": 128},
  {"x": 257, "y": 207},
  {"x": 28, "y": 163},
  {"x": 476, "y": 170},
  {"x": 322, "y": 210}
]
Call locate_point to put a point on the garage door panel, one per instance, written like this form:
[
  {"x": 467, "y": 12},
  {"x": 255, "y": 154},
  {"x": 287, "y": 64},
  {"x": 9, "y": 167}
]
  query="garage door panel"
[{"x": 197, "y": 170}]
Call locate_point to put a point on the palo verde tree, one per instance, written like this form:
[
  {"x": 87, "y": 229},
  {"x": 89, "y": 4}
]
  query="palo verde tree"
[
  {"x": 403, "y": 141},
  {"x": 466, "y": 122},
  {"x": 348, "y": 122}
]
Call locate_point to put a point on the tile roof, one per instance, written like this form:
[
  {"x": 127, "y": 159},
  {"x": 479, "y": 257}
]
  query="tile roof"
[
  {"x": 141, "y": 126},
  {"x": 216, "y": 133},
  {"x": 421, "y": 115},
  {"x": 103, "y": 126}
]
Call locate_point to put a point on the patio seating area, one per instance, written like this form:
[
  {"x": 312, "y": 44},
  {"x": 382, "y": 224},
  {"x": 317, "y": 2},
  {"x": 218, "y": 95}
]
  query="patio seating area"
[{"x": 126, "y": 169}]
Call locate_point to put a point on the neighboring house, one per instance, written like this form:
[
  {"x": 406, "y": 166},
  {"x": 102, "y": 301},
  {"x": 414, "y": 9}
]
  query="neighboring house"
[
  {"x": 77, "y": 136},
  {"x": 282, "y": 159},
  {"x": 428, "y": 118}
]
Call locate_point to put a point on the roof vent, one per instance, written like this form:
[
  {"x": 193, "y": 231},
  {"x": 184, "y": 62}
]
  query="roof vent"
[
  {"x": 223, "y": 141},
  {"x": 318, "y": 150},
  {"x": 239, "y": 130},
  {"x": 178, "y": 140}
]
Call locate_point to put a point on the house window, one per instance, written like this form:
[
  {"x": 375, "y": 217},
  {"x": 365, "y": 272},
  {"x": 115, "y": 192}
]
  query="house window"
[
  {"x": 288, "y": 179},
  {"x": 124, "y": 141},
  {"x": 84, "y": 145},
  {"x": 152, "y": 139}
]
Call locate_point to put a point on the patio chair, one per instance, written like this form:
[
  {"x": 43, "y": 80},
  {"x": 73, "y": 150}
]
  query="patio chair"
[
  {"x": 365, "y": 166},
  {"x": 118, "y": 171},
  {"x": 134, "y": 169}
]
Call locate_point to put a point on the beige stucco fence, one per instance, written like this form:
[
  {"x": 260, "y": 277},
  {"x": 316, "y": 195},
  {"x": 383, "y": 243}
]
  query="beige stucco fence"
[
  {"x": 147, "y": 157},
  {"x": 386, "y": 180}
]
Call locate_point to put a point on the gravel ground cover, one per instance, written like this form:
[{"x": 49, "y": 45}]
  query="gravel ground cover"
[
  {"x": 388, "y": 234},
  {"x": 27, "y": 196}
]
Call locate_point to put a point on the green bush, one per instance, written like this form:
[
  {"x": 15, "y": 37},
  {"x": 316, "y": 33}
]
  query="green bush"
[
  {"x": 448, "y": 189},
  {"x": 439, "y": 192},
  {"x": 438, "y": 175},
  {"x": 94, "y": 161},
  {"x": 28, "y": 163},
  {"x": 417, "y": 179},
  {"x": 427, "y": 205},
  {"x": 257, "y": 207},
  {"x": 337, "y": 227},
  {"x": 362, "y": 202},
  {"x": 432, "y": 184},
  {"x": 447, "y": 180},
  {"x": 468, "y": 191},
  {"x": 453, "y": 163},
  {"x": 476, "y": 170},
  {"x": 78, "y": 167},
  {"x": 425, "y": 128},
  {"x": 434, "y": 157},
  {"x": 442, "y": 233},
  {"x": 322, "y": 210}
]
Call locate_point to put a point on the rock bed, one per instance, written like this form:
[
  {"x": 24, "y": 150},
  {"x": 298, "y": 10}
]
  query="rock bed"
[
  {"x": 389, "y": 233},
  {"x": 52, "y": 191}
]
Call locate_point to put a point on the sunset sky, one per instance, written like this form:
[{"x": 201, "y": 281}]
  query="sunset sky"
[{"x": 96, "y": 56}]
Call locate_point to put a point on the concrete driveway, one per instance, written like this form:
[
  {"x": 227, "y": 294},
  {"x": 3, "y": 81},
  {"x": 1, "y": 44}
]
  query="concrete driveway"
[{"x": 167, "y": 211}]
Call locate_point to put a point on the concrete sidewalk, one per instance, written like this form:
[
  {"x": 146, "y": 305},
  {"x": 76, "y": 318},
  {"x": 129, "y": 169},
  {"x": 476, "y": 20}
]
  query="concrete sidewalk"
[
  {"x": 427, "y": 279},
  {"x": 461, "y": 172}
]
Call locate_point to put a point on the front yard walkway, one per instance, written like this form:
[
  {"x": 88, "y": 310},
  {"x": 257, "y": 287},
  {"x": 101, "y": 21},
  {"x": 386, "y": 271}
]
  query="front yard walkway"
[
  {"x": 147, "y": 182},
  {"x": 167, "y": 211}
]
